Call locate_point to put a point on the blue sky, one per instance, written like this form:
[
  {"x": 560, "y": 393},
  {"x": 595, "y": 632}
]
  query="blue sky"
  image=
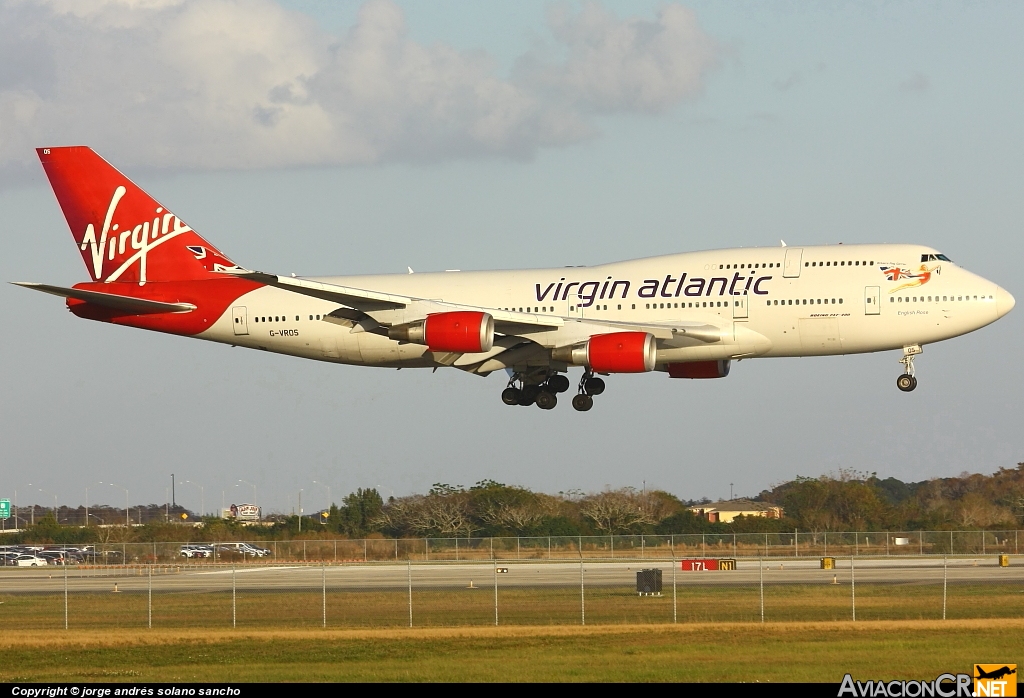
[{"x": 813, "y": 123}]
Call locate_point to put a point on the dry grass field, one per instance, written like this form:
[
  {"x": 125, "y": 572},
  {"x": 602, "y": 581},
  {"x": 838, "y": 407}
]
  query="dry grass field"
[{"x": 821, "y": 651}]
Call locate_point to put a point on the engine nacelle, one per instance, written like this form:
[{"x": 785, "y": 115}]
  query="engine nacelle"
[
  {"x": 700, "y": 369},
  {"x": 618, "y": 352},
  {"x": 466, "y": 331}
]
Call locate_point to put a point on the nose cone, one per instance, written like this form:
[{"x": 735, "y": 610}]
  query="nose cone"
[{"x": 1004, "y": 302}]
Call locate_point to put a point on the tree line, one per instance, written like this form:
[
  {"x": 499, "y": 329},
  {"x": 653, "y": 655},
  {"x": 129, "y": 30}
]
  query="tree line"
[{"x": 844, "y": 501}]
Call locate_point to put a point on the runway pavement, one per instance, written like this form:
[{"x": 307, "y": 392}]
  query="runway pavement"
[{"x": 441, "y": 575}]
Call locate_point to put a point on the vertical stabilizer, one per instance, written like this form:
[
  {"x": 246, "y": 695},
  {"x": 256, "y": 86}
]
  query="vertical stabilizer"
[{"x": 122, "y": 232}]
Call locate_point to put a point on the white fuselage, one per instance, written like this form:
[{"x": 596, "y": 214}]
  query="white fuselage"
[{"x": 778, "y": 301}]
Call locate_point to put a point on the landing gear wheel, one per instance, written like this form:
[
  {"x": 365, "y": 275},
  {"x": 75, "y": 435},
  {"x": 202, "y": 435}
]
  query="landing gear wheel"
[
  {"x": 582, "y": 403},
  {"x": 528, "y": 395},
  {"x": 906, "y": 382},
  {"x": 510, "y": 395},
  {"x": 593, "y": 386},
  {"x": 558, "y": 383},
  {"x": 546, "y": 400}
]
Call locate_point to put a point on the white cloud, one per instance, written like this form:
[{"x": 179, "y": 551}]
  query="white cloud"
[{"x": 233, "y": 84}]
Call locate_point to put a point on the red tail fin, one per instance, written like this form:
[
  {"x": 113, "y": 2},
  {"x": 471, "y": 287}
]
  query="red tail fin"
[{"x": 122, "y": 232}]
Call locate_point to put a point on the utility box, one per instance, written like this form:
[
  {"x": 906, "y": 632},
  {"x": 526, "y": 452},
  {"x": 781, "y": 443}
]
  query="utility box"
[
  {"x": 648, "y": 582},
  {"x": 828, "y": 563},
  {"x": 1004, "y": 560}
]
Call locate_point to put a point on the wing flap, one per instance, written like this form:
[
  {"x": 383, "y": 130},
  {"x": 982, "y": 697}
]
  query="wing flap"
[{"x": 138, "y": 306}]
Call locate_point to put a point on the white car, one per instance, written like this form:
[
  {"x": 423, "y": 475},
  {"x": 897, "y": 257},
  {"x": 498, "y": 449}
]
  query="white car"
[{"x": 30, "y": 561}]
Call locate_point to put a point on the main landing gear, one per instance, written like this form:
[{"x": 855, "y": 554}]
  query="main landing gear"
[
  {"x": 908, "y": 381},
  {"x": 542, "y": 393},
  {"x": 590, "y": 385}
]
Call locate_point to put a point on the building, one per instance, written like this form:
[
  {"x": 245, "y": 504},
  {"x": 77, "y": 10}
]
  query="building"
[{"x": 725, "y": 512}]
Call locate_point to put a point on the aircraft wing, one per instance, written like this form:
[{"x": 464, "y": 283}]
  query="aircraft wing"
[
  {"x": 110, "y": 300},
  {"x": 388, "y": 308}
]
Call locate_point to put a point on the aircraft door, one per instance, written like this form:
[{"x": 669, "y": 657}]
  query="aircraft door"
[
  {"x": 871, "y": 303},
  {"x": 239, "y": 320},
  {"x": 739, "y": 307},
  {"x": 794, "y": 256}
]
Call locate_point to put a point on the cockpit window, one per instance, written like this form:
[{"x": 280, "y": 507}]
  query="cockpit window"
[
  {"x": 935, "y": 258},
  {"x": 944, "y": 258}
]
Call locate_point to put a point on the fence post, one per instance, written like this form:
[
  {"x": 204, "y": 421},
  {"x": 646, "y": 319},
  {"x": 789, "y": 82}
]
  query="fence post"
[
  {"x": 611, "y": 545},
  {"x": 887, "y": 544},
  {"x": 234, "y": 614},
  {"x": 702, "y": 552},
  {"x": 426, "y": 548},
  {"x": 495, "y": 566},
  {"x": 456, "y": 548},
  {"x": 672, "y": 545},
  {"x": 303, "y": 551},
  {"x": 853, "y": 592},
  {"x": 760, "y": 575},
  {"x": 943, "y": 587},
  {"x": 410, "y": 590},
  {"x": 517, "y": 547},
  {"x": 396, "y": 550},
  {"x": 641, "y": 546},
  {"x": 365, "y": 551},
  {"x": 920, "y": 542},
  {"x": 149, "y": 601},
  {"x": 766, "y": 545},
  {"x": 65, "y": 594},
  {"x": 826, "y": 543},
  {"x": 734, "y": 545},
  {"x": 950, "y": 542},
  {"x": 323, "y": 571},
  {"x": 675, "y": 616},
  {"x": 583, "y": 607}
]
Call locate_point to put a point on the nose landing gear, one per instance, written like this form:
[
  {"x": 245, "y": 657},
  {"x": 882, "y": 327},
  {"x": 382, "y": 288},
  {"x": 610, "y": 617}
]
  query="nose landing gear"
[{"x": 907, "y": 382}]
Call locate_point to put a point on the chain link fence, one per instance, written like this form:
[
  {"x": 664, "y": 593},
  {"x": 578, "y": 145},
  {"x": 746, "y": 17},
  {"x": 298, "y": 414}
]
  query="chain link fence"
[
  {"x": 507, "y": 590},
  {"x": 653, "y": 547}
]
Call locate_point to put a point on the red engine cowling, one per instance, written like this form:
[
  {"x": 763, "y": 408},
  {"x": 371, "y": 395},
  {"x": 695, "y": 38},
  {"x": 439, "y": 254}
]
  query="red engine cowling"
[
  {"x": 621, "y": 352},
  {"x": 467, "y": 331},
  {"x": 700, "y": 369}
]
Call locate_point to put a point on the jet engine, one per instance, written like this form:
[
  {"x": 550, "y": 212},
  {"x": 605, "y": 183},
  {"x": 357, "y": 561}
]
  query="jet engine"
[
  {"x": 466, "y": 331},
  {"x": 700, "y": 369},
  {"x": 618, "y": 352}
]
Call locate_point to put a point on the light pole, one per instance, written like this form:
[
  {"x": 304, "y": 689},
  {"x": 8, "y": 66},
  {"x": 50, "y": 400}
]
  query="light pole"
[
  {"x": 202, "y": 497},
  {"x": 329, "y": 502},
  {"x": 87, "y": 502},
  {"x": 127, "y": 520},
  {"x": 253, "y": 489},
  {"x": 52, "y": 495},
  {"x": 300, "y": 511}
]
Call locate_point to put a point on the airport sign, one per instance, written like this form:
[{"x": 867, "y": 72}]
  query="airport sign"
[{"x": 5, "y": 508}]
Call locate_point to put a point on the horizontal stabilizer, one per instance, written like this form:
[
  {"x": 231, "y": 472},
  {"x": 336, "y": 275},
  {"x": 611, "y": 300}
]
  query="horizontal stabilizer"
[{"x": 128, "y": 304}]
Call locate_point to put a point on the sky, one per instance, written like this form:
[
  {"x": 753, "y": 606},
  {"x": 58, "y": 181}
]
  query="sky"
[{"x": 323, "y": 137}]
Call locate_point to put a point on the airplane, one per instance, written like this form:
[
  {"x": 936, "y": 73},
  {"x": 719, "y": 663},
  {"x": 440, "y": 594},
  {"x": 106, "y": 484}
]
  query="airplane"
[{"x": 687, "y": 315}]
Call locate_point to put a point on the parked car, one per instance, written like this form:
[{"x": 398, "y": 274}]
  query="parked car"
[
  {"x": 58, "y": 557},
  {"x": 243, "y": 549},
  {"x": 196, "y": 551},
  {"x": 30, "y": 561}
]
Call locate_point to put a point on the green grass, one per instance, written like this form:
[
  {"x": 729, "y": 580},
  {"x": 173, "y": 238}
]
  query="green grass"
[
  {"x": 459, "y": 607},
  {"x": 718, "y": 652}
]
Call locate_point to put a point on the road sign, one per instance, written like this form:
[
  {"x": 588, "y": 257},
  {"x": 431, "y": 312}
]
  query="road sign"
[{"x": 5, "y": 508}]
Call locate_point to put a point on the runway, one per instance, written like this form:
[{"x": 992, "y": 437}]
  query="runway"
[{"x": 511, "y": 574}]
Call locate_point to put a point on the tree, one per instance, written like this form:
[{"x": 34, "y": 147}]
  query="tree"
[{"x": 617, "y": 511}]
